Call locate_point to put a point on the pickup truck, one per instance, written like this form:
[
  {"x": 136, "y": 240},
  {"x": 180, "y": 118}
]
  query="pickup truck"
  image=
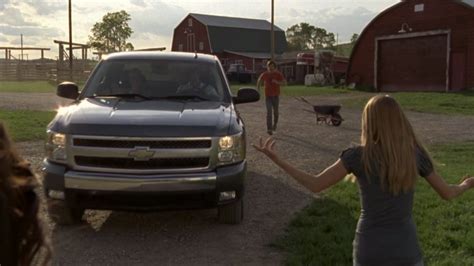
[{"x": 172, "y": 139}]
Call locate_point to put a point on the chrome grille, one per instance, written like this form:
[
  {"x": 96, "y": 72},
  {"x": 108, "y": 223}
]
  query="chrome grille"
[
  {"x": 126, "y": 163},
  {"x": 152, "y": 144},
  {"x": 142, "y": 155}
]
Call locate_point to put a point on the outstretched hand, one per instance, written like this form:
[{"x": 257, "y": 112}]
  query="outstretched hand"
[
  {"x": 468, "y": 181},
  {"x": 266, "y": 147}
]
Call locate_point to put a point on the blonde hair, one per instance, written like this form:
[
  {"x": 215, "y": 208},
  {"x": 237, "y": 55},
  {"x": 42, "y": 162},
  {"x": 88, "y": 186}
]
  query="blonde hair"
[{"x": 389, "y": 144}]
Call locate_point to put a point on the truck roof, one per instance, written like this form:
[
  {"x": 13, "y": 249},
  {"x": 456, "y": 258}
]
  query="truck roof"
[{"x": 157, "y": 55}]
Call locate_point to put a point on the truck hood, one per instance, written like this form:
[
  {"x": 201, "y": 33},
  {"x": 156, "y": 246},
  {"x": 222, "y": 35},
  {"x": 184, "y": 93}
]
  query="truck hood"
[{"x": 152, "y": 118}]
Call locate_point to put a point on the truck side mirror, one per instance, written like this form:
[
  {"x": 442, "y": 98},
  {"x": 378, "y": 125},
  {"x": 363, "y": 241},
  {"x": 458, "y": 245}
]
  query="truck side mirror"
[
  {"x": 68, "y": 90},
  {"x": 246, "y": 95}
]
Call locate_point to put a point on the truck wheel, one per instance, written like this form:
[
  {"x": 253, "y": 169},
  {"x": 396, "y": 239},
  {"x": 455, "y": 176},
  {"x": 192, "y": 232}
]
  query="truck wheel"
[
  {"x": 232, "y": 213},
  {"x": 62, "y": 214}
]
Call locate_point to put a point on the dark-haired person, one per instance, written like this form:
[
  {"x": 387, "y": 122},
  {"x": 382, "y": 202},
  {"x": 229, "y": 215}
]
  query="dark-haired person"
[
  {"x": 386, "y": 164},
  {"x": 272, "y": 80},
  {"x": 22, "y": 241}
]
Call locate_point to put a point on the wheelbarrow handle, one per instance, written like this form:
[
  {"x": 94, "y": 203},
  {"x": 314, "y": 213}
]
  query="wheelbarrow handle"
[{"x": 302, "y": 99}]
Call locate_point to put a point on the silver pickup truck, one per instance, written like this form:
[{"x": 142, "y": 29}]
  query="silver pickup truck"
[{"x": 149, "y": 131}]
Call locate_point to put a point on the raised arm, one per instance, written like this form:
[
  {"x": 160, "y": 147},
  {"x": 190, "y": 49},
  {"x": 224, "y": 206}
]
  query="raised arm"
[
  {"x": 322, "y": 181},
  {"x": 448, "y": 191}
]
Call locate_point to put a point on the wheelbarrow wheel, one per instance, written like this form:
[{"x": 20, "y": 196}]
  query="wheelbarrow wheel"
[{"x": 336, "y": 120}]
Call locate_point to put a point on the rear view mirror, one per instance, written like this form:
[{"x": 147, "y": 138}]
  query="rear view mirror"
[
  {"x": 68, "y": 90},
  {"x": 246, "y": 95}
]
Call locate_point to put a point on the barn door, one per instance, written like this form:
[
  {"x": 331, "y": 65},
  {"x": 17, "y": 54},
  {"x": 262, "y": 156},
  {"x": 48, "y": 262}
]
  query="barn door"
[
  {"x": 191, "y": 42},
  {"x": 415, "y": 63},
  {"x": 458, "y": 74}
]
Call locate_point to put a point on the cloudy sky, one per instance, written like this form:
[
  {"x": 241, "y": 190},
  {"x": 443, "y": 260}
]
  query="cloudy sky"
[{"x": 153, "y": 21}]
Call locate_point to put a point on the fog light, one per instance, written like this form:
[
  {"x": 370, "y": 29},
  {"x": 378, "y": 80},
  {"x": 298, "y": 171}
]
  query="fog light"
[
  {"x": 56, "y": 194},
  {"x": 227, "y": 195},
  {"x": 225, "y": 156}
]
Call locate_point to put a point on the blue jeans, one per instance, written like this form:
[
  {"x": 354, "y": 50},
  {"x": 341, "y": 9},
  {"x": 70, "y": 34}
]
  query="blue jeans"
[{"x": 272, "y": 103}]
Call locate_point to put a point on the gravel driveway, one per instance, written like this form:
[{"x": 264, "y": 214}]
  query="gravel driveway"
[{"x": 194, "y": 237}]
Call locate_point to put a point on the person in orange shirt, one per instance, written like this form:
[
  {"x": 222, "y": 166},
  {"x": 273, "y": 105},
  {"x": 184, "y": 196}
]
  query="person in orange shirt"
[{"x": 272, "y": 79}]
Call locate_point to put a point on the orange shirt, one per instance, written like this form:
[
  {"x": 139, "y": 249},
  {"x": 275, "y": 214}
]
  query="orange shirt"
[{"x": 271, "y": 88}]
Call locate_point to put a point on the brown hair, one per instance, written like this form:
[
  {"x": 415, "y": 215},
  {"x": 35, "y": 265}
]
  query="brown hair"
[
  {"x": 388, "y": 139},
  {"x": 271, "y": 62},
  {"x": 22, "y": 229}
]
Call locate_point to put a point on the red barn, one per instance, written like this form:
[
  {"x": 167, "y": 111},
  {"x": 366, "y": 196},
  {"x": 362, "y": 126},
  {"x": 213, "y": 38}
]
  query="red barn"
[
  {"x": 417, "y": 45},
  {"x": 233, "y": 40}
]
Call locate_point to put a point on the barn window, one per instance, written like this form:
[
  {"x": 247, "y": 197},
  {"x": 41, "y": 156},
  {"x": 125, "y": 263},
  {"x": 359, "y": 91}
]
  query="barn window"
[
  {"x": 201, "y": 46},
  {"x": 419, "y": 8},
  {"x": 190, "y": 22},
  {"x": 239, "y": 61},
  {"x": 180, "y": 47}
]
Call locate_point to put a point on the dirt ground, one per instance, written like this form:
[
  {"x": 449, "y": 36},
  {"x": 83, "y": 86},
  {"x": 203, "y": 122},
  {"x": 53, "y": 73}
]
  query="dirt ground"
[{"x": 195, "y": 237}]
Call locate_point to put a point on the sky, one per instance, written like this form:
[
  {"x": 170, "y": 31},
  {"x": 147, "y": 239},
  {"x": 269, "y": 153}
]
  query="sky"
[{"x": 153, "y": 21}]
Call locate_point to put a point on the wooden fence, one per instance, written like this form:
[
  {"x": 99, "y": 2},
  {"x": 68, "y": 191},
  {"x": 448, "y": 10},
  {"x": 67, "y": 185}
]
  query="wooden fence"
[{"x": 48, "y": 70}]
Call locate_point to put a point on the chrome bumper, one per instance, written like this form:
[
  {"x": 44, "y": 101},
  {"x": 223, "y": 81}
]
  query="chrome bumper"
[{"x": 148, "y": 183}]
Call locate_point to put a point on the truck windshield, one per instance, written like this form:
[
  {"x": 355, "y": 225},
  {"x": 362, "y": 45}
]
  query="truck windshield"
[{"x": 158, "y": 79}]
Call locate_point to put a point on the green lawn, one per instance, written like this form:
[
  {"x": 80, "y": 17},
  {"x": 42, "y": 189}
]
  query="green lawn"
[
  {"x": 427, "y": 102},
  {"x": 24, "y": 125},
  {"x": 460, "y": 103},
  {"x": 26, "y": 86},
  {"x": 322, "y": 233}
]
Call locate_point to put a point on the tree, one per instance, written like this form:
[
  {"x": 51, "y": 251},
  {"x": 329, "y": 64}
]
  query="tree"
[
  {"x": 111, "y": 34},
  {"x": 354, "y": 38},
  {"x": 299, "y": 36},
  {"x": 304, "y": 36}
]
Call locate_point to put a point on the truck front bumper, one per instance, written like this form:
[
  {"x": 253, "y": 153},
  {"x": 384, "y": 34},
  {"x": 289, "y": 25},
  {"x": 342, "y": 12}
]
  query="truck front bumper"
[{"x": 145, "y": 192}]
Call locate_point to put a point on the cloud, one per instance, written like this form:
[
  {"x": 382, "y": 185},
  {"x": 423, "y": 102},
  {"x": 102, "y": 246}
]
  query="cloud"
[
  {"x": 29, "y": 31},
  {"x": 145, "y": 21},
  {"x": 140, "y": 3},
  {"x": 14, "y": 17},
  {"x": 3, "y": 38}
]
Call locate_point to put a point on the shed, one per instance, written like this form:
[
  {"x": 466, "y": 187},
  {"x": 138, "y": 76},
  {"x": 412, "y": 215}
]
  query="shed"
[{"x": 417, "y": 45}]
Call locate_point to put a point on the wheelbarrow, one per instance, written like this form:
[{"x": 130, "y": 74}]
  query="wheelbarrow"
[{"x": 328, "y": 114}]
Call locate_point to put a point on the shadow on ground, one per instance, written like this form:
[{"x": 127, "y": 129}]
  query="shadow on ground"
[{"x": 184, "y": 237}]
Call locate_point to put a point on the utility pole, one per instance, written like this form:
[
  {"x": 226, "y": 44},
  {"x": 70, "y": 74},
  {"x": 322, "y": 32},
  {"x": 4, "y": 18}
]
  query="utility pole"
[
  {"x": 70, "y": 41},
  {"x": 21, "y": 43},
  {"x": 273, "y": 33}
]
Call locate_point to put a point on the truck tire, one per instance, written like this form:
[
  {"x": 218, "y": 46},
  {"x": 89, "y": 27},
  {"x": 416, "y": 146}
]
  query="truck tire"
[
  {"x": 62, "y": 214},
  {"x": 232, "y": 213}
]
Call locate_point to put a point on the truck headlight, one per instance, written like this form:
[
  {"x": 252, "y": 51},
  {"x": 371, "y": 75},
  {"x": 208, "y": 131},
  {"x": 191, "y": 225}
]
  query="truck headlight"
[
  {"x": 56, "y": 147},
  {"x": 231, "y": 149}
]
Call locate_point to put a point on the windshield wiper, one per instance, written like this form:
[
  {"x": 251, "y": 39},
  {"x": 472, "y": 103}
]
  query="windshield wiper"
[
  {"x": 183, "y": 97},
  {"x": 123, "y": 95}
]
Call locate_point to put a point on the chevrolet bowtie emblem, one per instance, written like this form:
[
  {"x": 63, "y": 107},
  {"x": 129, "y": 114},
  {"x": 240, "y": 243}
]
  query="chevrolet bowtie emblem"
[{"x": 141, "y": 154}]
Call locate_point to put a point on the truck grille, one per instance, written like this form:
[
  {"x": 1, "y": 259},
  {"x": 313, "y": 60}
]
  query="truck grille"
[
  {"x": 152, "y": 144},
  {"x": 126, "y": 163},
  {"x": 141, "y": 155}
]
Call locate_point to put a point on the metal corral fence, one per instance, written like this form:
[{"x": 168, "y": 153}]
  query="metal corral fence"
[{"x": 48, "y": 70}]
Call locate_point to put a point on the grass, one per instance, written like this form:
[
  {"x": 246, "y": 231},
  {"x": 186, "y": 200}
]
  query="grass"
[
  {"x": 426, "y": 102},
  {"x": 322, "y": 233},
  {"x": 26, "y": 125},
  {"x": 26, "y": 86}
]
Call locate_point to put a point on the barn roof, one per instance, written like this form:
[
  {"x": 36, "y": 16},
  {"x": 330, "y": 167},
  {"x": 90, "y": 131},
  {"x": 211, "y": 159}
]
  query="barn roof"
[
  {"x": 233, "y": 22},
  {"x": 241, "y": 34}
]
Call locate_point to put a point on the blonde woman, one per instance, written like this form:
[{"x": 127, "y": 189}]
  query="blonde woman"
[{"x": 386, "y": 166}]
